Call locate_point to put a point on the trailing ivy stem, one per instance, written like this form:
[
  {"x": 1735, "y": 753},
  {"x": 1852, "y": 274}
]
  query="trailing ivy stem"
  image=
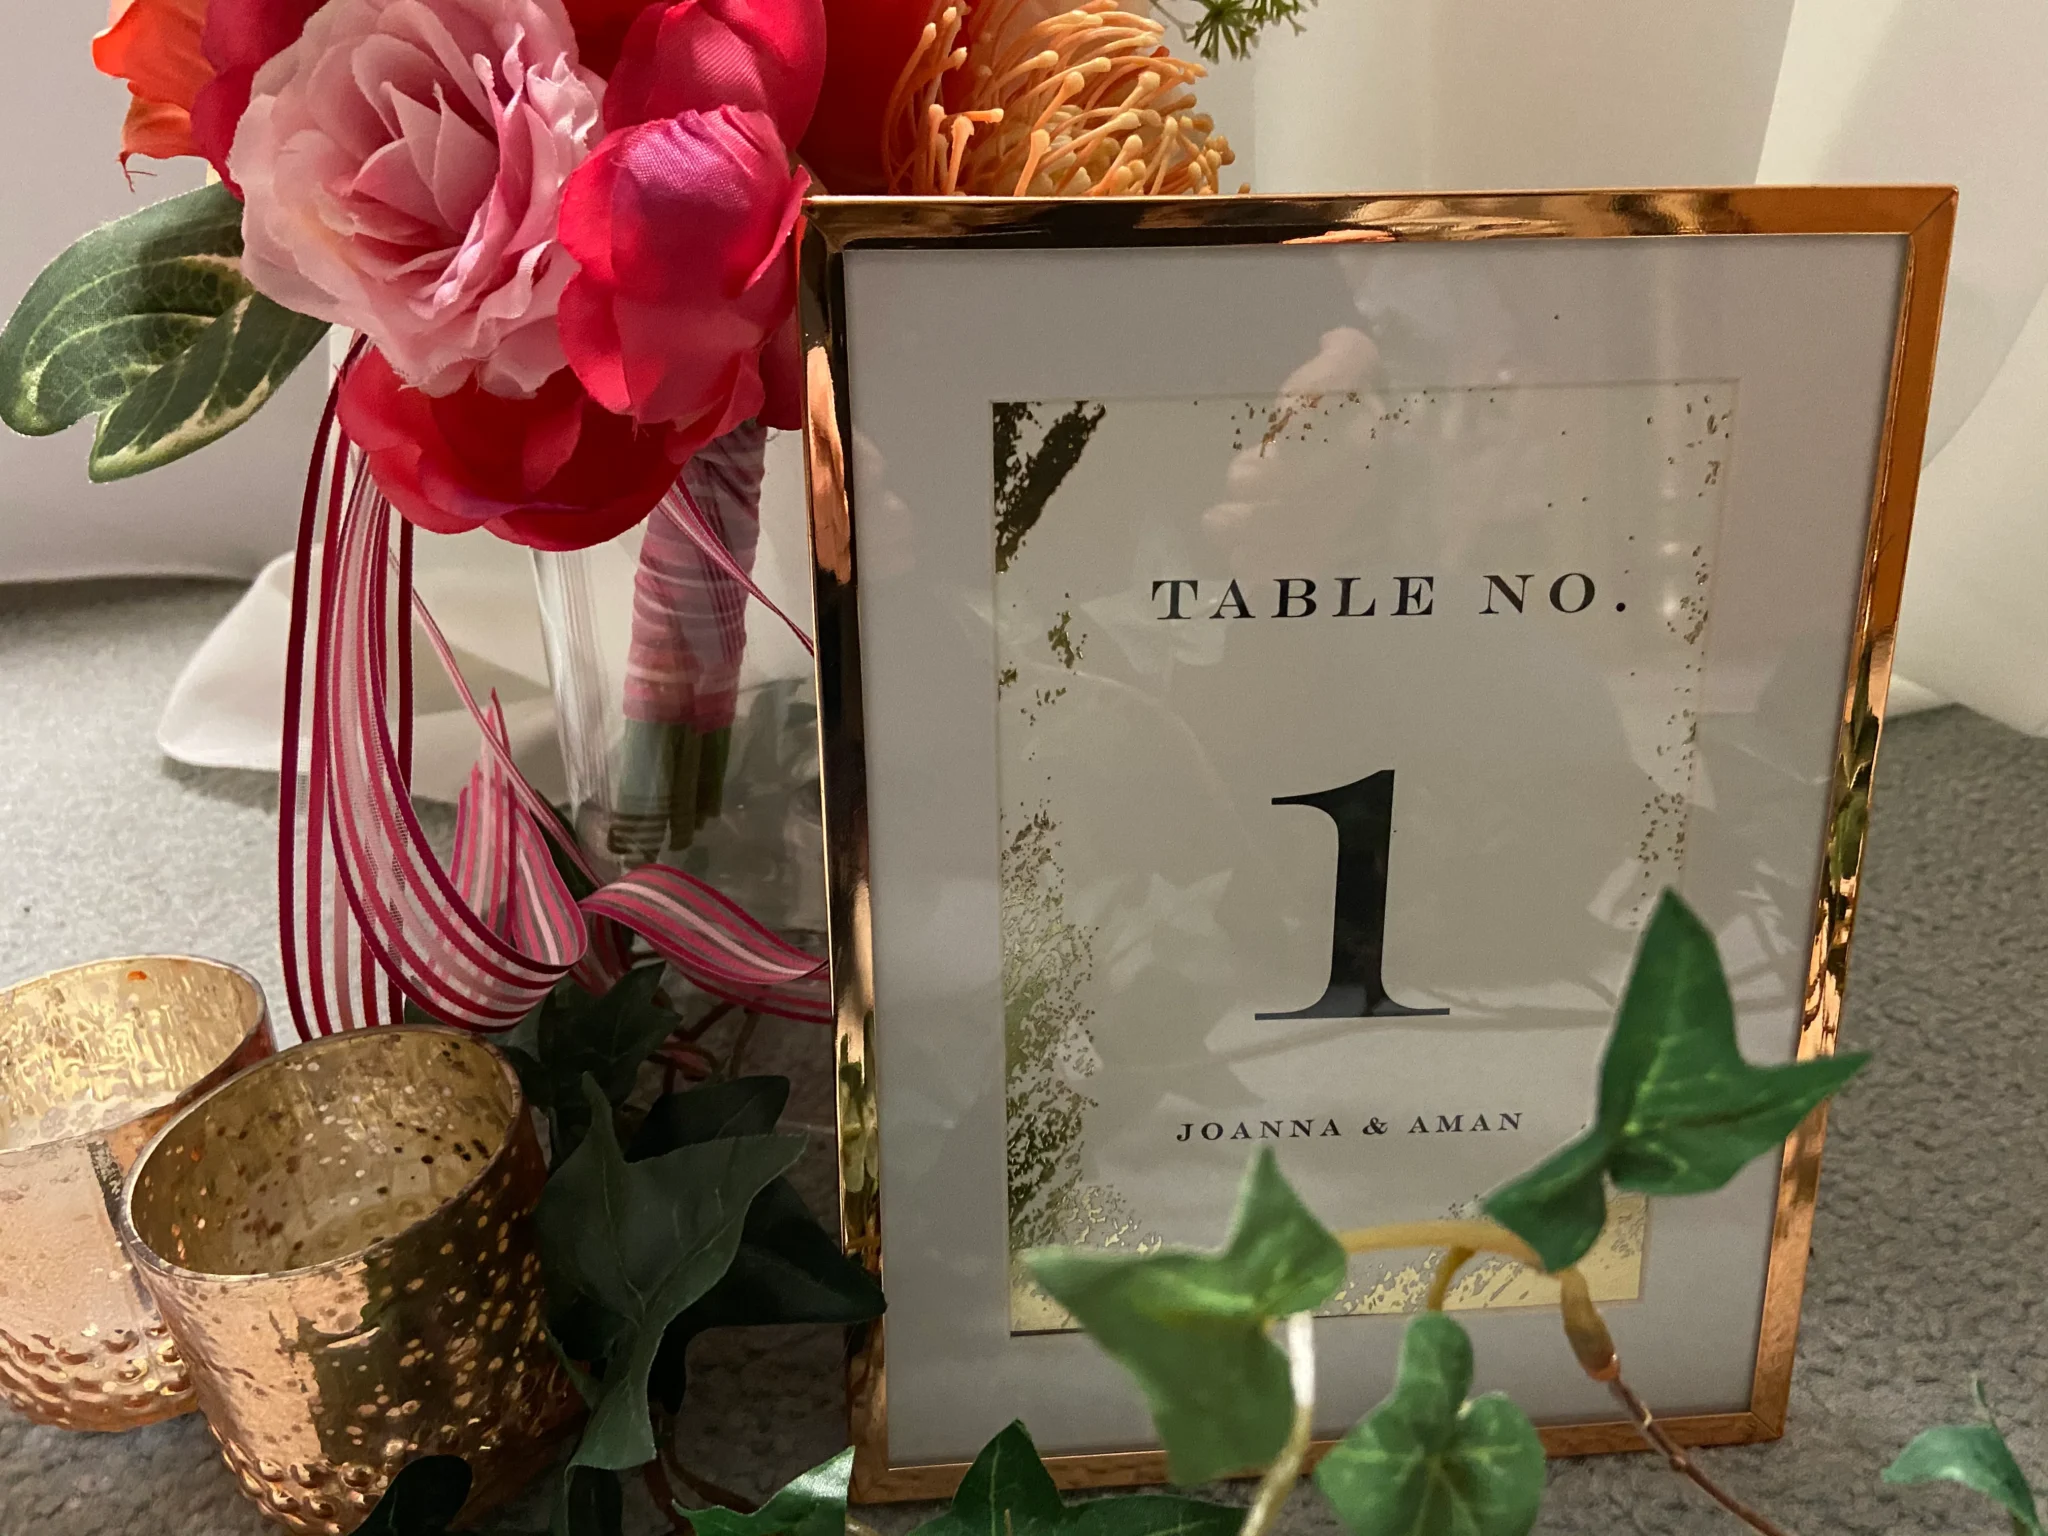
[
  {"x": 1447, "y": 1268},
  {"x": 1681, "y": 1463},
  {"x": 1298, "y": 1333},
  {"x": 1478, "y": 1236}
]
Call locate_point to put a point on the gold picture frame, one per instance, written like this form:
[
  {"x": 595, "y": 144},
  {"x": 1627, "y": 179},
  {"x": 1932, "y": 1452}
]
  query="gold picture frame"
[{"x": 1923, "y": 215}]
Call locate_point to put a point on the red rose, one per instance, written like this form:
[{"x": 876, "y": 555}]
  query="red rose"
[
  {"x": 601, "y": 27},
  {"x": 871, "y": 41},
  {"x": 682, "y": 230},
  {"x": 241, "y": 36},
  {"x": 698, "y": 55},
  {"x": 554, "y": 472}
]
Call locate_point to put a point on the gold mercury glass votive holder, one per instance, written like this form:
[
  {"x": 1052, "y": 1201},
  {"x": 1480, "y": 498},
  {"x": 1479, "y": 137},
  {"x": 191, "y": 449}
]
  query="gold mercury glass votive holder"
[
  {"x": 342, "y": 1243},
  {"x": 96, "y": 1059}
]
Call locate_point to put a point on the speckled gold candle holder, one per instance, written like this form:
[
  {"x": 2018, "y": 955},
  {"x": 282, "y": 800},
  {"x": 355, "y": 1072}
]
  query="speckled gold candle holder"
[
  {"x": 100, "y": 1056},
  {"x": 342, "y": 1243}
]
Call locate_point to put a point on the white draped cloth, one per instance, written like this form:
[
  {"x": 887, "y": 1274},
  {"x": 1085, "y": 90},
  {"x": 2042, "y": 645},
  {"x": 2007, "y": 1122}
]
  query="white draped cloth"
[{"x": 1374, "y": 95}]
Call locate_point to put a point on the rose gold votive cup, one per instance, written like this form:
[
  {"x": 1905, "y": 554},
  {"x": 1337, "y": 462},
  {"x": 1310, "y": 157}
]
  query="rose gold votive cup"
[
  {"x": 341, "y": 1241},
  {"x": 98, "y": 1058}
]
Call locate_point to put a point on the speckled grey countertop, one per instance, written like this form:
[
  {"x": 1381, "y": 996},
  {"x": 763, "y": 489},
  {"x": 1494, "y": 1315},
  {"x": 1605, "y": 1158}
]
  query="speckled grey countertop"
[{"x": 1930, "y": 1249}]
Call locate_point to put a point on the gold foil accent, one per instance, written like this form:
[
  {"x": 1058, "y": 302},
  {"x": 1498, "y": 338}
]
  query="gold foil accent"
[
  {"x": 1923, "y": 215},
  {"x": 341, "y": 1241},
  {"x": 99, "y": 1056}
]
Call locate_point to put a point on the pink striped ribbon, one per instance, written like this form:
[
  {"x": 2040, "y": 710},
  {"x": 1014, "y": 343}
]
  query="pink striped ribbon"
[{"x": 369, "y": 915}]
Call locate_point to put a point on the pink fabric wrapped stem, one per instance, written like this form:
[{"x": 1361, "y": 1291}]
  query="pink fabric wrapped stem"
[{"x": 683, "y": 661}]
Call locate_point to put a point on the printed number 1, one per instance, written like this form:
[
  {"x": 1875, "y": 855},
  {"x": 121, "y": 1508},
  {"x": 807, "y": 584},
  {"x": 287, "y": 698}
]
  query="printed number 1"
[{"x": 1364, "y": 814}]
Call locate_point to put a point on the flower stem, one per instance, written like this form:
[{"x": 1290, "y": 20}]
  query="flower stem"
[{"x": 1298, "y": 1331}]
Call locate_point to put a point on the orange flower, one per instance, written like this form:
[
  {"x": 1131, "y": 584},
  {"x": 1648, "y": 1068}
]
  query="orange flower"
[{"x": 154, "y": 46}]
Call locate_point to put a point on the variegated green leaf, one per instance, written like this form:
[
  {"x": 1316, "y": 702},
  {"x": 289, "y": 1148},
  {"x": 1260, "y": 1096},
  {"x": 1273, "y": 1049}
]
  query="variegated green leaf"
[
  {"x": 1428, "y": 1463},
  {"x": 1192, "y": 1327},
  {"x": 148, "y": 322},
  {"x": 1680, "y": 1111}
]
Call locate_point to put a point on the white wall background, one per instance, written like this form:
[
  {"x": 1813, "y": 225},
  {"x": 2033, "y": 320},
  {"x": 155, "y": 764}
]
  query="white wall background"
[{"x": 1375, "y": 95}]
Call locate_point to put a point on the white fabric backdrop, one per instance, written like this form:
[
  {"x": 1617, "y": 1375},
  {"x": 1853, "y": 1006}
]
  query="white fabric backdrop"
[
  {"x": 1559, "y": 93},
  {"x": 1393, "y": 94}
]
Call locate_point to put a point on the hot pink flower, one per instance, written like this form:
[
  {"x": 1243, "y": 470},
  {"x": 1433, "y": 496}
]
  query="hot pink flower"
[
  {"x": 698, "y": 55},
  {"x": 403, "y": 163},
  {"x": 555, "y": 471},
  {"x": 682, "y": 230},
  {"x": 240, "y": 36}
]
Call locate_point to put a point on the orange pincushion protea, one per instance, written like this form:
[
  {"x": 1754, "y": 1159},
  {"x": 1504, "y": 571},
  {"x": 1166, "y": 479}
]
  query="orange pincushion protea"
[{"x": 1004, "y": 100}]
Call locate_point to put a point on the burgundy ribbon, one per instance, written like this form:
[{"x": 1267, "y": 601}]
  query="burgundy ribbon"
[{"x": 369, "y": 915}]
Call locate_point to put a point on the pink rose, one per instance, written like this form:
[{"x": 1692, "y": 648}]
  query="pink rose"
[
  {"x": 697, "y": 55},
  {"x": 402, "y": 164},
  {"x": 682, "y": 230}
]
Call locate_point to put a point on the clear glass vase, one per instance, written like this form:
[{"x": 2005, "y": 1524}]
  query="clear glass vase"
[{"x": 686, "y": 708}]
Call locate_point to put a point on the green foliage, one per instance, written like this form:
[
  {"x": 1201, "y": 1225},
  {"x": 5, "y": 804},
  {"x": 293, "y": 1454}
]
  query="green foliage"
[
  {"x": 589, "y": 1503},
  {"x": 788, "y": 1268},
  {"x": 626, "y": 1247},
  {"x": 1426, "y": 1462},
  {"x": 1233, "y": 26},
  {"x": 739, "y": 1106},
  {"x": 1008, "y": 1492},
  {"x": 573, "y": 1035},
  {"x": 1680, "y": 1111},
  {"x": 812, "y": 1505},
  {"x": 149, "y": 322},
  {"x": 1976, "y": 1456},
  {"x": 1191, "y": 1327},
  {"x": 423, "y": 1500}
]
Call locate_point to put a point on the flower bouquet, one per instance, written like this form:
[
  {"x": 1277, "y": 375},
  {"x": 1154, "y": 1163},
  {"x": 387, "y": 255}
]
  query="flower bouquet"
[{"x": 563, "y": 234}]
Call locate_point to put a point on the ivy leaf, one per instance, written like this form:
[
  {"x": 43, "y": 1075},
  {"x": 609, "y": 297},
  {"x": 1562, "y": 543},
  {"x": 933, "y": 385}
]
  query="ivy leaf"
[
  {"x": 642, "y": 1241},
  {"x": 423, "y": 1500},
  {"x": 576, "y": 1035},
  {"x": 149, "y": 322},
  {"x": 1976, "y": 1456},
  {"x": 789, "y": 1269},
  {"x": 1008, "y": 1492},
  {"x": 1680, "y": 1111},
  {"x": 589, "y": 1504},
  {"x": 1191, "y": 1327},
  {"x": 739, "y": 1106},
  {"x": 811, "y": 1505},
  {"x": 1426, "y": 1462}
]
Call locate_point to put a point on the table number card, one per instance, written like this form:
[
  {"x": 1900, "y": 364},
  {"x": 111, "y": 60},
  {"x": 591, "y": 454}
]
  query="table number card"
[
  {"x": 1273, "y": 654},
  {"x": 1259, "y": 887}
]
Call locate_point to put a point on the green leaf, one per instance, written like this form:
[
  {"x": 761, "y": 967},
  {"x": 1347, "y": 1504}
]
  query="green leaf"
[
  {"x": 642, "y": 1241},
  {"x": 812, "y": 1505},
  {"x": 739, "y": 1106},
  {"x": 1976, "y": 1456},
  {"x": 423, "y": 1500},
  {"x": 1233, "y": 26},
  {"x": 1191, "y": 1327},
  {"x": 1008, "y": 1492},
  {"x": 1426, "y": 1462},
  {"x": 576, "y": 1035},
  {"x": 589, "y": 1504},
  {"x": 149, "y": 322},
  {"x": 1680, "y": 1111},
  {"x": 789, "y": 1269}
]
